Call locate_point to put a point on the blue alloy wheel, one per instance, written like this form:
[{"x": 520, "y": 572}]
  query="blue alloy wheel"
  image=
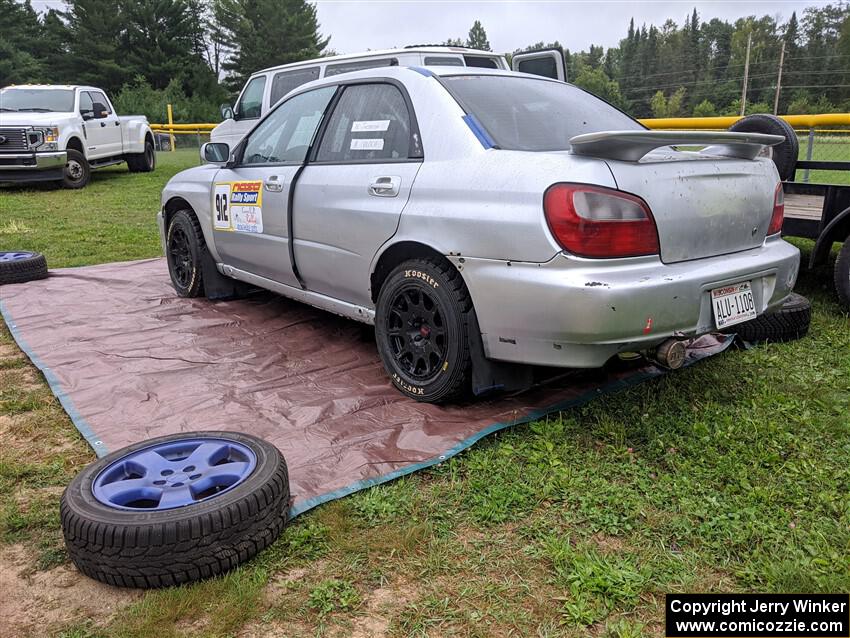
[
  {"x": 15, "y": 256},
  {"x": 174, "y": 474},
  {"x": 175, "y": 509},
  {"x": 20, "y": 266}
]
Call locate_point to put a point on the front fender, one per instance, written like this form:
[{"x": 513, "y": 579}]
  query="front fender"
[{"x": 196, "y": 193}]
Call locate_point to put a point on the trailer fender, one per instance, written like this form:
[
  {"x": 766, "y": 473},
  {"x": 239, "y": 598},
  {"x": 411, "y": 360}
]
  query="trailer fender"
[{"x": 837, "y": 230}]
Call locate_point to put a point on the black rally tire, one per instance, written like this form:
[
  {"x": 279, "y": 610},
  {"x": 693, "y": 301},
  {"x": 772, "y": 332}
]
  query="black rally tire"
[
  {"x": 784, "y": 154},
  {"x": 185, "y": 222},
  {"x": 77, "y": 170},
  {"x": 143, "y": 162},
  {"x": 446, "y": 287},
  {"x": 152, "y": 549},
  {"x": 841, "y": 275},
  {"x": 26, "y": 267},
  {"x": 788, "y": 323}
]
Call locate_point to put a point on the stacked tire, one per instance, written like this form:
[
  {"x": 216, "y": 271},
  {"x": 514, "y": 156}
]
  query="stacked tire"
[{"x": 17, "y": 267}]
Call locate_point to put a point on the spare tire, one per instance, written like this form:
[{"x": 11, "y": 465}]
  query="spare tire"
[
  {"x": 784, "y": 154},
  {"x": 18, "y": 267},
  {"x": 788, "y": 323},
  {"x": 175, "y": 509}
]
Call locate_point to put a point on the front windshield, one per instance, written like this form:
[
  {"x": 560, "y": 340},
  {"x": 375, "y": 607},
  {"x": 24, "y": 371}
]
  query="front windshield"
[
  {"x": 37, "y": 100},
  {"x": 525, "y": 114}
]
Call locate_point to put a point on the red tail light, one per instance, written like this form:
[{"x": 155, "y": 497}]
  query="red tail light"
[
  {"x": 778, "y": 212},
  {"x": 591, "y": 221}
]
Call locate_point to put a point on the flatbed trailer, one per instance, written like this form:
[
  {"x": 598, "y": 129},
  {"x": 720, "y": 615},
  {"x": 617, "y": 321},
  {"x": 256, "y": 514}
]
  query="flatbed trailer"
[{"x": 821, "y": 212}]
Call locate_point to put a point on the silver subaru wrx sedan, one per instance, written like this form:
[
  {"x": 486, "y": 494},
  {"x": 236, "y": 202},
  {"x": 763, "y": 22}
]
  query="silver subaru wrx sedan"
[{"x": 484, "y": 221}]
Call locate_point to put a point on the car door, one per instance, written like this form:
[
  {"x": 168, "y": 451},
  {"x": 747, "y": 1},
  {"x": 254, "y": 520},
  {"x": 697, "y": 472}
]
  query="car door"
[
  {"x": 105, "y": 130},
  {"x": 351, "y": 194},
  {"x": 250, "y": 201},
  {"x": 549, "y": 63}
]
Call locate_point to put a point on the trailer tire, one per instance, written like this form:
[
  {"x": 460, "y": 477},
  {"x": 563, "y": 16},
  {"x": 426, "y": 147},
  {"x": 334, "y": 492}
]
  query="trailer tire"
[
  {"x": 788, "y": 323},
  {"x": 17, "y": 267},
  {"x": 139, "y": 518},
  {"x": 842, "y": 275},
  {"x": 784, "y": 154}
]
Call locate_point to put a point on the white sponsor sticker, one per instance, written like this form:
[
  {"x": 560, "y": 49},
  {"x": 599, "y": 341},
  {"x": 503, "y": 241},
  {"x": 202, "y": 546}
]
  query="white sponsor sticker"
[
  {"x": 367, "y": 145},
  {"x": 238, "y": 206},
  {"x": 365, "y": 126}
]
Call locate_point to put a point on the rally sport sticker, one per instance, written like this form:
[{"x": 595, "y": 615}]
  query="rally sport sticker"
[{"x": 238, "y": 206}]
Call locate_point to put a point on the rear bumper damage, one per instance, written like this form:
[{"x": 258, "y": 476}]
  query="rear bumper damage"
[{"x": 578, "y": 313}]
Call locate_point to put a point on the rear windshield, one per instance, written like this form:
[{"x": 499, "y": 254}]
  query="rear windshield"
[{"x": 524, "y": 114}]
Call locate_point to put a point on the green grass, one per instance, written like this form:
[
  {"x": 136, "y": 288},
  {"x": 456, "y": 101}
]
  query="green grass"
[
  {"x": 732, "y": 475},
  {"x": 831, "y": 148}
]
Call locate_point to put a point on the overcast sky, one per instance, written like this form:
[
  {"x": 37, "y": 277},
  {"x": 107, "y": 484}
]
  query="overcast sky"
[{"x": 356, "y": 25}]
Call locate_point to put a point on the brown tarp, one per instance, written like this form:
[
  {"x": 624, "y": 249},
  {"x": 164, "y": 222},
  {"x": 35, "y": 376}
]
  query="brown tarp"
[{"x": 129, "y": 360}]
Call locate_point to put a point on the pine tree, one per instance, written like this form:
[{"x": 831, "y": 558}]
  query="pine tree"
[
  {"x": 478, "y": 38},
  {"x": 263, "y": 33},
  {"x": 96, "y": 29},
  {"x": 20, "y": 59}
]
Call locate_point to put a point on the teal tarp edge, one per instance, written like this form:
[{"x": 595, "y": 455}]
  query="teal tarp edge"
[
  {"x": 101, "y": 450},
  {"x": 77, "y": 419}
]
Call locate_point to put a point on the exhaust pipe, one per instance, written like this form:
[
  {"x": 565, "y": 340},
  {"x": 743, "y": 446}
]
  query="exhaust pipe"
[{"x": 671, "y": 354}]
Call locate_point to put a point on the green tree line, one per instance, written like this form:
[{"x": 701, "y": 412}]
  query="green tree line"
[{"x": 196, "y": 54}]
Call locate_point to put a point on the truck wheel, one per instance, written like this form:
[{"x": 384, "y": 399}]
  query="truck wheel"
[
  {"x": 784, "y": 154},
  {"x": 77, "y": 170},
  {"x": 421, "y": 326},
  {"x": 842, "y": 275},
  {"x": 175, "y": 509},
  {"x": 184, "y": 250},
  {"x": 143, "y": 162},
  {"x": 788, "y": 323},
  {"x": 21, "y": 266}
]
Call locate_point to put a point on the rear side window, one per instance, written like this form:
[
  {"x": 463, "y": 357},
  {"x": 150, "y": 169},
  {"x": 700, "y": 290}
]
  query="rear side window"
[
  {"x": 442, "y": 61},
  {"x": 250, "y": 105},
  {"x": 480, "y": 62},
  {"x": 286, "y": 81},
  {"x": 370, "y": 122},
  {"x": 526, "y": 114},
  {"x": 348, "y": 67}
]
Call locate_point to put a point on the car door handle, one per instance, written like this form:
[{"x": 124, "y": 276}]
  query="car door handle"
[
  {"x": 102, "y": 124},
  {"x": 274, "y": 184},
  {"x": 385, "y": 186},
  {"x": 118, "y": 123}
]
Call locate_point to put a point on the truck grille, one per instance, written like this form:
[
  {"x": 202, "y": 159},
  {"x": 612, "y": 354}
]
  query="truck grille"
[{"x": 13, "y": 140}]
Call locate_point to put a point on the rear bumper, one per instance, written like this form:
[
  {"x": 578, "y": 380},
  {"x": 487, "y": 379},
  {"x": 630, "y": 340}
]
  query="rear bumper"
[
  {"x": 32, "y": 167},
  {"x": 572, "y": 312}
]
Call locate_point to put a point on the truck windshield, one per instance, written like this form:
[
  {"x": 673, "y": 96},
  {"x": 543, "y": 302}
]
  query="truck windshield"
[
  {"x": 525, "y": 114},
  {"x": 44, "y": 100}
]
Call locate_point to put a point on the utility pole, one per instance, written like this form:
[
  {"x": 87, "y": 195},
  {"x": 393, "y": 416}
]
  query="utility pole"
[
  {"x": 746, "y": 74},
  {"x": 779, "y": 80}
]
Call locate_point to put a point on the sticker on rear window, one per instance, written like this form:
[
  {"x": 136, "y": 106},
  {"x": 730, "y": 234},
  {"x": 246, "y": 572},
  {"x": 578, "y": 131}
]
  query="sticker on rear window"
[
  {"x": 367, "y": 145},
  {"x": 365, "y": 126},
  {"x": 238, "y": 206}
]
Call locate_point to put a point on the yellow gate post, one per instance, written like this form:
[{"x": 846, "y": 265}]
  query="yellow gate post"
[{"x": 170, "y": 128}]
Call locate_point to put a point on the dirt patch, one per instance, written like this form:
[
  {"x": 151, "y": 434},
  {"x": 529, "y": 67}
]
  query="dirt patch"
[
  {"x": 34, "y": 603},
  {"x": 379, "y": 607}
]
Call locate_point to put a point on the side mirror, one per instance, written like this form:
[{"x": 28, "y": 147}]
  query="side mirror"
[
  {"x": 99, "y": 110},
  {"x": 215, "y": 152},
  {"x": 226, "y": 112}
]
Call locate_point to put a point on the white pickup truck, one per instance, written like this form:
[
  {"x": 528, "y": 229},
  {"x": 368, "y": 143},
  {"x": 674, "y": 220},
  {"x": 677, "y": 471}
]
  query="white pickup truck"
[{"x": 61, "y": 133}]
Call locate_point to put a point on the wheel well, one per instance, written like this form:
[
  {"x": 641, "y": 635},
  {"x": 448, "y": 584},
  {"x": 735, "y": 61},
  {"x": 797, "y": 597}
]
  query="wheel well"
[
  {"x": 75, "y": 144},
  {"x": 172, "y": 206},
  {"x": 149, "y": 138},
  {"x": 396, "y": 254}
]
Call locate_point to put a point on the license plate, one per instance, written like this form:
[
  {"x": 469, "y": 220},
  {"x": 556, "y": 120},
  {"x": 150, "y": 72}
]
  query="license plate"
[{"x": 733, "y": 304}]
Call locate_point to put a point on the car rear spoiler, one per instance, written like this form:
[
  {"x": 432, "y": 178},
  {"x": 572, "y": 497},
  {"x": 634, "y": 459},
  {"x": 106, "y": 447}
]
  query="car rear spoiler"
[{"x": 631, "y": 146}]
